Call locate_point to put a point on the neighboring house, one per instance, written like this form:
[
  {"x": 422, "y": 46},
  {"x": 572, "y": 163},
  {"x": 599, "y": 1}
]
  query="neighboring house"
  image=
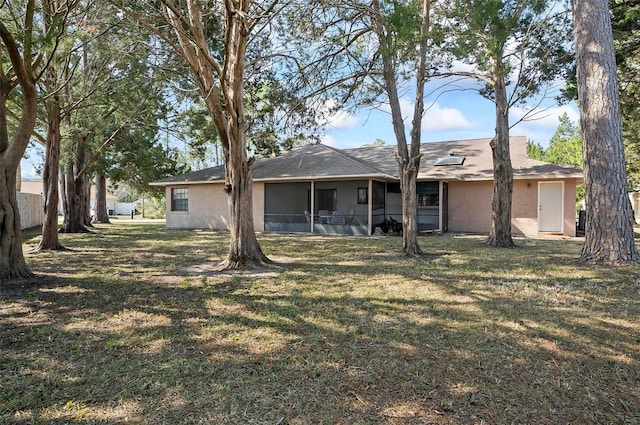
[
  {"x": 316, "y": 188},
  {"x": 114, "y": 207}
]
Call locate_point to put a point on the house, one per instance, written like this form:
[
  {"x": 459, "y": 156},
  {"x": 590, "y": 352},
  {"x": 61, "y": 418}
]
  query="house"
[
  {"x": 114, "y": 207},
  {"x": 320, "y": 189}
]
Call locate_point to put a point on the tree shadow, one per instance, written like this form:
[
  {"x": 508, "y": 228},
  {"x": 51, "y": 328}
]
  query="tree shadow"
[{"x": 366, "y": 339}]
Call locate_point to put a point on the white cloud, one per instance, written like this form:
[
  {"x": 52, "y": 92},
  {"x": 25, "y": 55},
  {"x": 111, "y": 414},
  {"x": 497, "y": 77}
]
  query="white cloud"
[
  {"x": 544, "y": 123},
  {"x": 437, "y": 118},
  {"x": 341, "y": 119},
  {"x": 544, "y": 118}
]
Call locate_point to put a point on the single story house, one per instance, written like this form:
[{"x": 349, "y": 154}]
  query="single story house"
[{"x": 320, "y": 189}]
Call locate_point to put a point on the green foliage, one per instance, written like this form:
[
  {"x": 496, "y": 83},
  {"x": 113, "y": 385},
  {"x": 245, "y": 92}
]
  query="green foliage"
[
  {"x": 565, "y": 146},
  {"x": 377, "y": 142},
  {"x": 525, "y": 42},
  {"x": 626, "y": 31},
  {"x": 534, "y": 150}
]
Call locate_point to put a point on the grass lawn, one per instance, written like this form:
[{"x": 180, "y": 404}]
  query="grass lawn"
[{"x": 131, "y": 327}]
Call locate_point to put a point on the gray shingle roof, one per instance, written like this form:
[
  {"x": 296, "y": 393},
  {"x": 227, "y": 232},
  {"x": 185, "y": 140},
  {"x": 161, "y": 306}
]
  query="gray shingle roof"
[{"x": 323, "y": 162}]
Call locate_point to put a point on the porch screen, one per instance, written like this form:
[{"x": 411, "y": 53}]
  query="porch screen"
[{"x": 326, "y": 199}]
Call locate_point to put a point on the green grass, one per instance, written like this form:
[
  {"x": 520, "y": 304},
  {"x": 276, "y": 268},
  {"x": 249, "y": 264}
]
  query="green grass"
[{"x": 346, "y": 331}]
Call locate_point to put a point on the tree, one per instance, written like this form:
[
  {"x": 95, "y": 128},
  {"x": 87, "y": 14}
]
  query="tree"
[
  {"x": 535, "y": 150},
  {"x": 609, "y": 230},
  {"x": 517, "y": 48},
  {"x": 113, "y": 104},
  {"x": 214, "y": 46},
  {"x": 401, "y": 27},
  {"x": 565, "y": 146},
  {"x": 27, "y": 38}
]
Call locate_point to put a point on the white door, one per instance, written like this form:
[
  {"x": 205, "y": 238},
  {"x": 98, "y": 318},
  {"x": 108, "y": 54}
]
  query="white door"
[{"x": 551, "y": 207}]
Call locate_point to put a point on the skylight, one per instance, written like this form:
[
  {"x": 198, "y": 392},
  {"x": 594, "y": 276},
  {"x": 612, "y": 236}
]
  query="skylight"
[{"x": 450, "y": 160}]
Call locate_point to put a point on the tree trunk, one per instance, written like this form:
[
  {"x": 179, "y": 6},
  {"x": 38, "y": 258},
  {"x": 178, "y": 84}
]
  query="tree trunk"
[
  {"x": 74, "y": 201},
  {"x": 100, "y": 215},
  {"x": 500, "y": 235},
  {"x": 12, "y": 263},
  {"x": 609, "y": 229},
  {"x": 244, "y": 250},
  {"x": 408, "y": 157},
  {"x": 222, "y": 88},
  {"x": 50, "y": 178}
]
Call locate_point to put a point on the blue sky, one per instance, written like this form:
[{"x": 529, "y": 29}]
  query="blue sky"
[{"x": 454, "y": 115}]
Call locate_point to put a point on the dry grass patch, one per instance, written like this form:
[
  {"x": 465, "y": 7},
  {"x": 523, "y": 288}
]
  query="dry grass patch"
[{"x": 129, "y": 327}]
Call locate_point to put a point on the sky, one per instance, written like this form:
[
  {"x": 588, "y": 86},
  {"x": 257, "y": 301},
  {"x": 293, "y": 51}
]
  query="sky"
[{"x": 455, "y": 115}]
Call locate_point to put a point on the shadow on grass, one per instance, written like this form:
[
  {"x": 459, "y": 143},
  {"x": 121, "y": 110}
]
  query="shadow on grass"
[{"x": 347, "y": 333}]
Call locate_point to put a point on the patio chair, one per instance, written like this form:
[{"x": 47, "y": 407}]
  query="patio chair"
[
  {"x": 323, "y": 216},
  {"x": 338, "y": 217},
  {"x": 307, "y": 216},
  {"x": 351, "y": 216}
]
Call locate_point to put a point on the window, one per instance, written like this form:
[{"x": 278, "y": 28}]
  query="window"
[
  {"x": 326, "y": 199},
  {"x": 427, "y": 200},
  {"x": 180, "y": 199},
  {"x": 363, "y": 197}
]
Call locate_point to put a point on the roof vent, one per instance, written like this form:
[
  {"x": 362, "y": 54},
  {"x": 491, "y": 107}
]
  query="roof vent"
[{"x": 450, "y": 160}]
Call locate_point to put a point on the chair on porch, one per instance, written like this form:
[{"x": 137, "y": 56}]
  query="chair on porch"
[
  {"x": 307, "y": 216},
  {"x": 351, "y": 216},
  {"x": 338, "y": 217},
  {"x": 323, "y": 216}
]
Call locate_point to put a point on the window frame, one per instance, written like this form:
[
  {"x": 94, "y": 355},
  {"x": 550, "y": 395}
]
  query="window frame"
[{"x": 179, "y": 199}]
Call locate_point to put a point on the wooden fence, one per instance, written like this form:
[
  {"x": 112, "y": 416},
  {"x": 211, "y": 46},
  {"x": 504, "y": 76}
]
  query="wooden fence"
[{"x": 31, "y": 209}]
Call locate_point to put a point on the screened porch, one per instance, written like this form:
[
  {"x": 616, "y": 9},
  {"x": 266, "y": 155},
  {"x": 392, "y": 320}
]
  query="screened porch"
[{"x": 353, "y": 207}]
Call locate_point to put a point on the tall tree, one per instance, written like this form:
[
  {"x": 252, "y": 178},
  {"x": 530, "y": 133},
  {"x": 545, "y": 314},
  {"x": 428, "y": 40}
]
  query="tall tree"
[
  {"x": 214, "y": 45},
  {"x": 609, "y": 230},
  {"x": 401, "y": 27},
  {"x": 114, "y": 102},
  {"x": 53, "y": 89},
  {"x": 25, "y": 46},
  {"x": 516, "y": 49}
]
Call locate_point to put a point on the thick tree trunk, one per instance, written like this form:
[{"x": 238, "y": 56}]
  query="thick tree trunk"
[
  {"x": 408, "y": 157},
  {"x": 101, "y": 215},
  {"x": 609, "y": 230},
  {"x": 50, "y": 178},
  {"x": 500, "y": 234},
  {"x": 244, "y": 250},
  {"x": 74, "y": 201},
  {"x": 408, "y": 178},
  {"x": 12, "y": 263}
]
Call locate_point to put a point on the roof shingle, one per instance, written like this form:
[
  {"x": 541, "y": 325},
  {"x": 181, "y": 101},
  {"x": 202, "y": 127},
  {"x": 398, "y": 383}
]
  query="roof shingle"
[{"x": 317, "y": 162}]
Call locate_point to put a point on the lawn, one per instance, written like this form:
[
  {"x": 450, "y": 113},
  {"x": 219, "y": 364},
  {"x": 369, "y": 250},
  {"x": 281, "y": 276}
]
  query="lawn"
[{"x": 131, "y": 326}]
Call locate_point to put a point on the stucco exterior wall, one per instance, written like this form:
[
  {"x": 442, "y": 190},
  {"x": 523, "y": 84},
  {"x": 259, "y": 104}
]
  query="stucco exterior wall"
[
  {"x": 470, "y": 207},
  {"x": 208, "y": 208}
]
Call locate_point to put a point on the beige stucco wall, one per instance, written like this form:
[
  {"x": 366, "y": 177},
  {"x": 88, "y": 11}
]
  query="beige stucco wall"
[
  {"x": 208, "y": 208},
  {"x": 470, "y": 207}
]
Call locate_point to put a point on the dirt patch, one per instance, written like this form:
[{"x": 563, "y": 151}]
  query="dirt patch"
[
  {"x": 21, "y": 288},
  {"x": 214, "y": 269}
]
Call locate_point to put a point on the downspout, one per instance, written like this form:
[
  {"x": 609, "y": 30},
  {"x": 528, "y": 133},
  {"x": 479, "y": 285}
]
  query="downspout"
[
  {"x": 440, "y": 206},
  {"x": 312, "y": 213},
  {"x": 370, "y": 208}
]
